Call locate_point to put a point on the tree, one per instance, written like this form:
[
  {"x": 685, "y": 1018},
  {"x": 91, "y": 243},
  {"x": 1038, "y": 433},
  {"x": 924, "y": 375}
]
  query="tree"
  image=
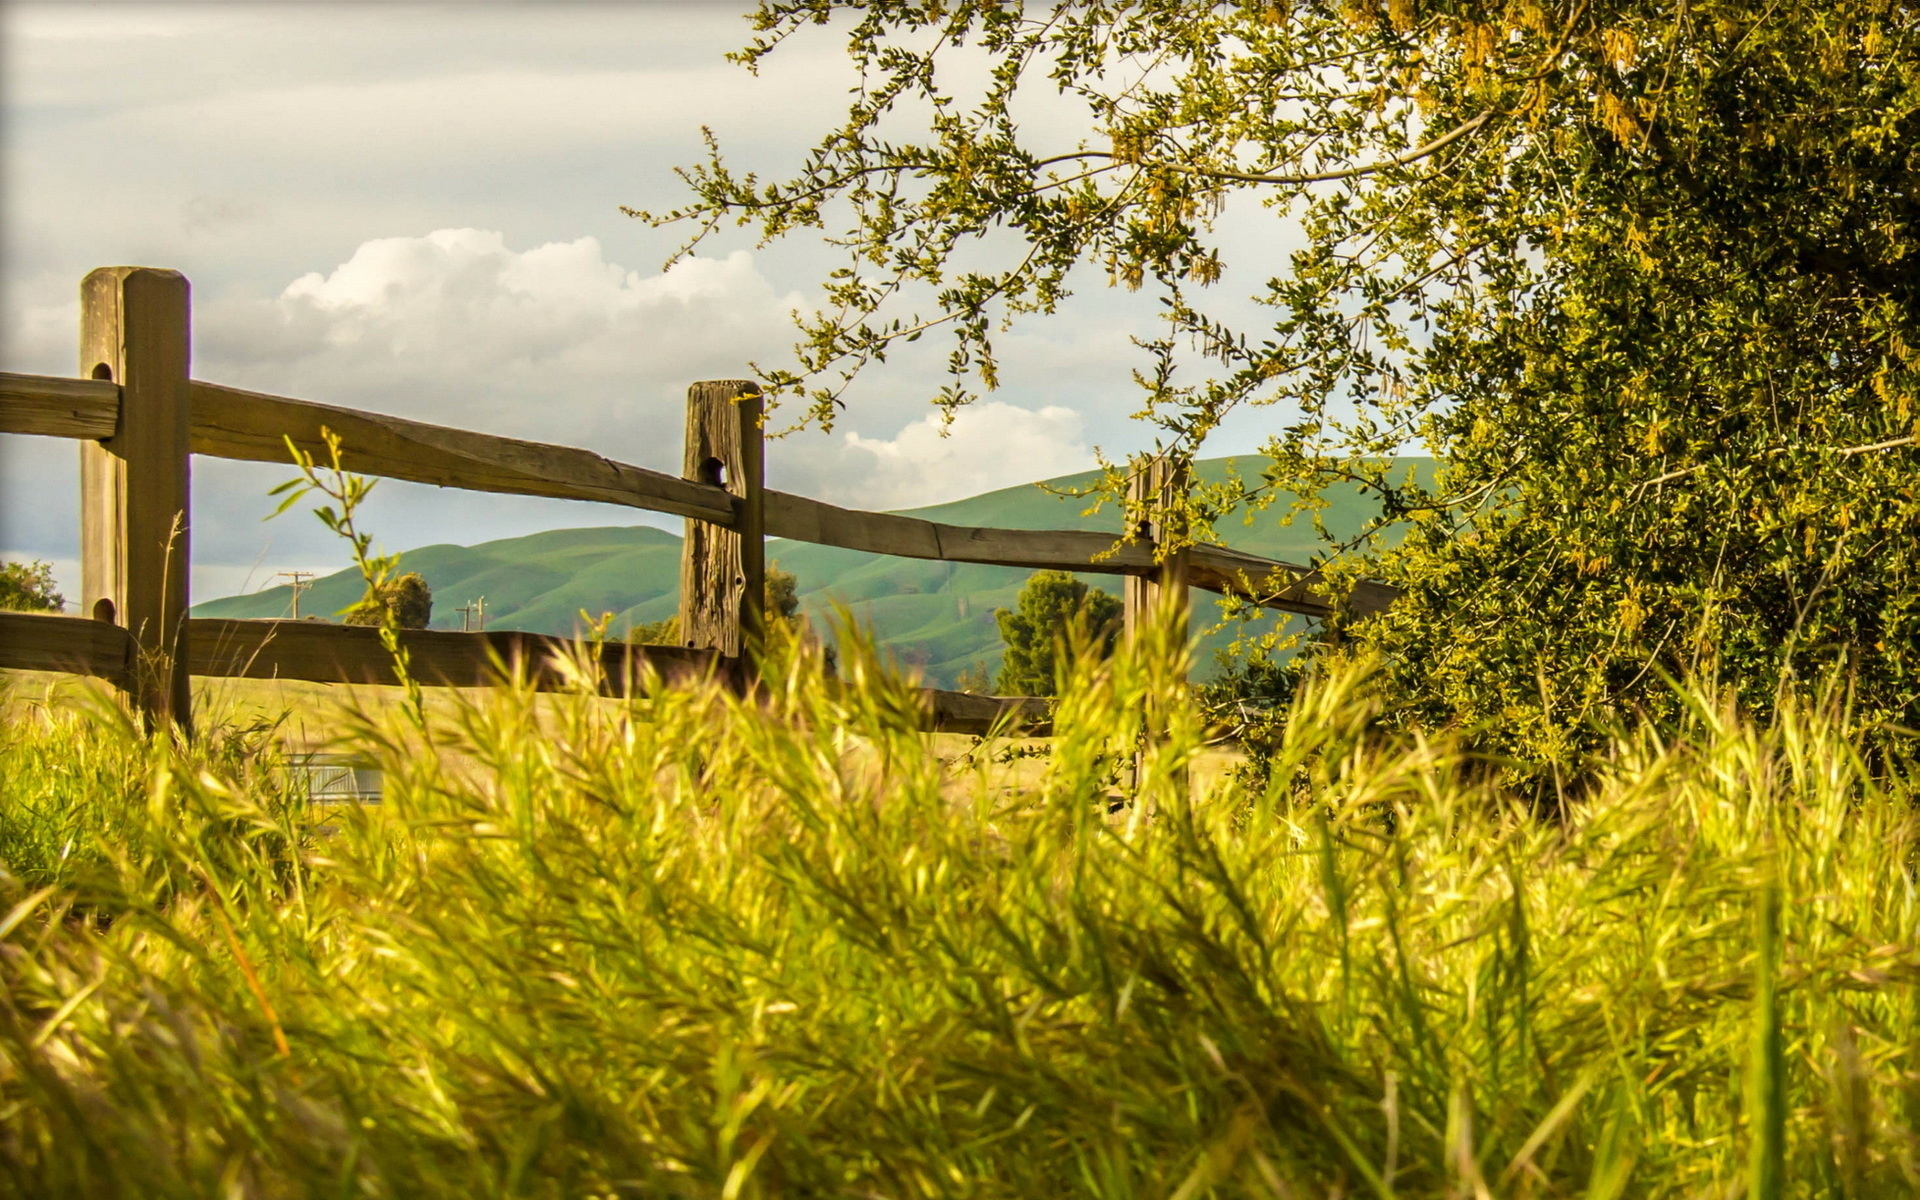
[
  {"x": 29, "y": 587},
  {"x": 1643, "y": 274},
  {"x": 1050, "y": 610},
  {"x": 782, "y": 595},
  {"x": 406, "y": 599}
]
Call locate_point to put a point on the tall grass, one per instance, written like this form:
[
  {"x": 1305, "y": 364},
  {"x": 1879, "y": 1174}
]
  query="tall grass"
[{"x": 710, "y": 946}]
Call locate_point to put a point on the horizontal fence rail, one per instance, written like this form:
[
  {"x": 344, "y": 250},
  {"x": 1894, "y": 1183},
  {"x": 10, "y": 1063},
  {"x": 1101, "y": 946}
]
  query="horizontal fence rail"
[
  {"x": 49, "y": 642},
  {"x": 324, "y": 653},
  {"x": 232, "y": 423},
  {"x": 54, "y": 407}
]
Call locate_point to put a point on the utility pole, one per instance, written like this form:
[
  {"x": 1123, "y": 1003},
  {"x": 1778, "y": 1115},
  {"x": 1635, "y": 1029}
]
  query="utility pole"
[
  {"x": 302, "y": 580},
  {"x": 473, "y": 615}
]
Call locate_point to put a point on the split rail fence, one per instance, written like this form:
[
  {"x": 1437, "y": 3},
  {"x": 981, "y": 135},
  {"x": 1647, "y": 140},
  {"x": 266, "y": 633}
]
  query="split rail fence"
[{"x": 140, "y": 417}]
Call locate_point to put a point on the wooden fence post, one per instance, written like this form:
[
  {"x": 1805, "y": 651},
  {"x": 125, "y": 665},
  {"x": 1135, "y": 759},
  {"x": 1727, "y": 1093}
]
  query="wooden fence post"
[
  {"x": 134, "y": 486},
  {"x": 723, "y": 571},
  {"x": 1157, "y": 491}
]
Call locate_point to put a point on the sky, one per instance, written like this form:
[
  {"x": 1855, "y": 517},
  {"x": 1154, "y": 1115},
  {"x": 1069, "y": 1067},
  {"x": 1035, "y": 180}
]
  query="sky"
[{"x": 415, "y": 209}]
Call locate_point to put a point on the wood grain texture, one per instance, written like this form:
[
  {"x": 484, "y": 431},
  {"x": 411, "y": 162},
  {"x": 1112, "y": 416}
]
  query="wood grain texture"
[
  {"x": 805, "y": 520},
  {"x": 324, "y": 653},
  {"x": 51, "y": 642},
  {"x": 723, "y": 568},
  {"x": 134, "y": 485},
  {"x": 1159, "y": 598},
  {"x": 231, "y": 423},
  {"x": 53, "y": 407}
]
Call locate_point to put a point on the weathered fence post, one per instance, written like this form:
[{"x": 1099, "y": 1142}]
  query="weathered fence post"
[
  {"x": 1157, "y": 492},
  {"x": 1157, "y": 489},
  {"x": 723, "y": 571},
  {"x": 134, "y": 486}
]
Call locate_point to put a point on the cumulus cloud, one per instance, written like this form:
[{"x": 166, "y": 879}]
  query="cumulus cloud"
[
  {"x": 559, "y": 344},
  {"x": 553, "y": 342},
  {"x": 987, "y": 446}
]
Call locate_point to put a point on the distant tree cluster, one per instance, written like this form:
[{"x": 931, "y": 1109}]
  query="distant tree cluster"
[{"x": 29, "y": 587}]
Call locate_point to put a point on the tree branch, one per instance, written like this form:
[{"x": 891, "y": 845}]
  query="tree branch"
[{"x": 1399, "y": 160}]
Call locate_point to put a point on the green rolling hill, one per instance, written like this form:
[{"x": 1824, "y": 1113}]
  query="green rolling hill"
[{"x": 934, "y": 616}]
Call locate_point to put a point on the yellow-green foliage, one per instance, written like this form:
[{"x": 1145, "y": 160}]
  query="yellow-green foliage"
[{"x": 701, "y": 946}]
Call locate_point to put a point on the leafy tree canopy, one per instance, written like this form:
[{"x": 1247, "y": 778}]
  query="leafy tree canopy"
[
  {"x": 1643, "y": 273},
  {"x": 1052, "y": 610},
  {"x": 29, "y": 587}
]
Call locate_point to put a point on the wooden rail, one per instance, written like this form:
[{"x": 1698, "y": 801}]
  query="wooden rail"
[
  {"x": 74, "y": 645},
  {"x": 65, "y": 408},
  {"x": 232, "y": 423},
  {"x": 326, "y": 653},
  {"x": 139, "y": 415}
]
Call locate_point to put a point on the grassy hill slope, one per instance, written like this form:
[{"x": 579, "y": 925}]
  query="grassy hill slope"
[{"x": 933, "y": 615}]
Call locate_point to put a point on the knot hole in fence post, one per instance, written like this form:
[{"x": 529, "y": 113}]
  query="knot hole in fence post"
[{"x": 723, "y": 568}]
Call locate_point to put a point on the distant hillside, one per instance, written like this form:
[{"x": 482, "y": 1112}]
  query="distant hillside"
[{"x": 932, "y": 615}]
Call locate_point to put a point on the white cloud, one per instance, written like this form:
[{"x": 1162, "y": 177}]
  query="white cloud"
[
  {"x": 557, "y": 343},
  {"x": 73, "y": 23},
  {"x": 553, "y": 342},
  {"x": 988, "y": 445}
]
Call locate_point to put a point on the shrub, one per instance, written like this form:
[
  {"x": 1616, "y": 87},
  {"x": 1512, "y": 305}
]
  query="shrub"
[
  {"x": 406, "y": 597},
  {"x": 29, "y": 587}
]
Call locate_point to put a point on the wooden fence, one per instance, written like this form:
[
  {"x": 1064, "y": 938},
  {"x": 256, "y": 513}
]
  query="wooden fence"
[{"x": 139, "y": 417}]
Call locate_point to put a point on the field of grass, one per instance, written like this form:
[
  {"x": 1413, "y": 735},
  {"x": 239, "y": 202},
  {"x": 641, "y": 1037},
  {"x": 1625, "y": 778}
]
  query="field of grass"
[{"x": 705, "y": 946}]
